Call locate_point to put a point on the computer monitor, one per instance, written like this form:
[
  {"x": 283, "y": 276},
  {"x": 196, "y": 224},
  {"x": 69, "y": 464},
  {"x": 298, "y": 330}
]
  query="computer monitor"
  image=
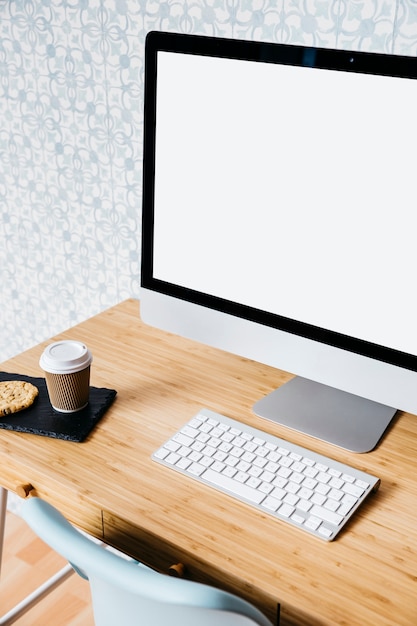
[{"x": 279, "y": 211}]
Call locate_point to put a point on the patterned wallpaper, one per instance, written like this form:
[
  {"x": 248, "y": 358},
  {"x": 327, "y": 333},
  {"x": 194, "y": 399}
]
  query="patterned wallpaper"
[{"x": 71, "y": 98}]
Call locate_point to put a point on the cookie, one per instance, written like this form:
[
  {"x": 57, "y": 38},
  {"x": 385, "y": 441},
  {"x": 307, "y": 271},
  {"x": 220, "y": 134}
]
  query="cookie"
[{"x": 16, "y": 395}]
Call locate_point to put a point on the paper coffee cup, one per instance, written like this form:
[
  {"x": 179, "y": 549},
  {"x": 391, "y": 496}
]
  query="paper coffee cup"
[{"x": 67, "y": 373}]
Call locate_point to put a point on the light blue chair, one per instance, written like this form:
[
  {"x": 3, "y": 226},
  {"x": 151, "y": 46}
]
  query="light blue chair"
[{"x": 127, "y": 593}]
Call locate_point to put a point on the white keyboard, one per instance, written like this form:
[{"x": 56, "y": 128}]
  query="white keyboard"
[{"x": 293, "y": 484}]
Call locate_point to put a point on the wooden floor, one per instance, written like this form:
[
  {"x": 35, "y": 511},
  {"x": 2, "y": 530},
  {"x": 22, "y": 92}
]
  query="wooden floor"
[{"x": 27, "y": 563}]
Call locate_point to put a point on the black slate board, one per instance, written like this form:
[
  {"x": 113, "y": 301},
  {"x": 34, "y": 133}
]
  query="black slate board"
[{"x": 41, "y": 419}]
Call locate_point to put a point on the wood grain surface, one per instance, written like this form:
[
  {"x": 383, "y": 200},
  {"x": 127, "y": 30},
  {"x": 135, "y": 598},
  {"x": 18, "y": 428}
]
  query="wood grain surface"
[{"x": 109, "y": 485}]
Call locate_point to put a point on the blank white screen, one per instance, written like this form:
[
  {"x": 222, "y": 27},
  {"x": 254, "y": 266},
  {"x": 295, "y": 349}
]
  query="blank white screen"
[{"x": 290, "y": 190}]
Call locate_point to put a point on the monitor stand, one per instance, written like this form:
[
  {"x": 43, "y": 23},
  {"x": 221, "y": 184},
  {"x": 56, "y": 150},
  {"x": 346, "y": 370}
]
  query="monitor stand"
[{"x": 335, "y": 416}]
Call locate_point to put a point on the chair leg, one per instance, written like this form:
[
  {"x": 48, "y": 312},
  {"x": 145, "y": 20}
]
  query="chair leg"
[
  {"x": 39, "y": 593},
  {"x": 33, "y": 598}
]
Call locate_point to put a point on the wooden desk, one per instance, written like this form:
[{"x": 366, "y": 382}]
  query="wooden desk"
[{"x": 109, "y": 486}]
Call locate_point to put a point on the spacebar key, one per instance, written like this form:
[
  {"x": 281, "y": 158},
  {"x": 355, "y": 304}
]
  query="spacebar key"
[{"x": 238, "y": 489}]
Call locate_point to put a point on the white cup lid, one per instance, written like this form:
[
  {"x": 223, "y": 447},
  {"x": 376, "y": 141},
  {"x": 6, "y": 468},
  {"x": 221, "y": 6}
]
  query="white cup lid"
[{"x": 65, "y": 357}]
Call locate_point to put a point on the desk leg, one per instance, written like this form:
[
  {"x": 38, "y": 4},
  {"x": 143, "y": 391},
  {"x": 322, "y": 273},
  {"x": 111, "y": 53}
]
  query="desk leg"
[
  {"x": 43, "y": 590},
  {"x": 3, "y": 508}
]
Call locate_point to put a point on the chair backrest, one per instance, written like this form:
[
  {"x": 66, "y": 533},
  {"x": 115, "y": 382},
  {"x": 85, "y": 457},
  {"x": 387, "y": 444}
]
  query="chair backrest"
[{"x": 128, "y": 594}]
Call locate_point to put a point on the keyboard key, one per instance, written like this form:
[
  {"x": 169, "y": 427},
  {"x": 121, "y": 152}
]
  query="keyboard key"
[
  {"x": 245, "y": 491},
  {"x": 183, "y": 463},
  {"x": 172, "y": 458},
  {"x": 353, "y": 490},
  {"x": 312, "y": 523},
  {"x": 296, "y": 517},
  {"x": 326, "y": 515},
  {"x": 183, "y": 440},
  {"x": 161, "y": 453},
  {"x": 286, "y": 510},
  {"x": 271, "y": 503},
  {"x": 196, "y": 469}
]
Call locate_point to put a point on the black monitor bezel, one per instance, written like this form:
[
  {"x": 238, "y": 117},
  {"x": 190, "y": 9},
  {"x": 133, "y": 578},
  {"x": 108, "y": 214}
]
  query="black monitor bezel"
[{"x": 324, "y": 58}]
